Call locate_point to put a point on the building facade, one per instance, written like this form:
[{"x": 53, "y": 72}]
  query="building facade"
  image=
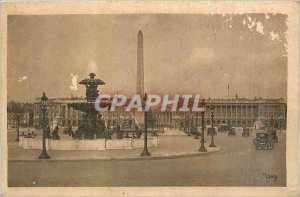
[
  {"x": 22, "y": 112},
  {"x": 24, "y": 119},
  {"x": 62, "y": 114},
  {"x": 59, "y": 112},
  {"x": 238, "y": 112}
]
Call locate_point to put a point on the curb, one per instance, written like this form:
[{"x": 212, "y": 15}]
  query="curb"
[{"x": 117, "y": 159}]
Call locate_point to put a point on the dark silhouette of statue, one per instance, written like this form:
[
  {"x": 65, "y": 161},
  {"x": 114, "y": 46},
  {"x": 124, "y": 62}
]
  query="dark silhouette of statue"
[
  {"x": 119, "y": 132},
  {"x": 137, "y": 133},
  {"x": 55, "y": 133},
  {"x": 48, "y": 134}
]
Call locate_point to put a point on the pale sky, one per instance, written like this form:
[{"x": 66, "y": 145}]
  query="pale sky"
[{"x": 183, "y": 54}]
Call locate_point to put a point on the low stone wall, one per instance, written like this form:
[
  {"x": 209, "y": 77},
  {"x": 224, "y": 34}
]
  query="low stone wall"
[
  {"x": 138, "y": 143},
  {"x": 66, "y": 145},
  {"x": 20, "y": 141},
  {"x": 97, "y": 144},
  {"x": 125, "y": 143}
]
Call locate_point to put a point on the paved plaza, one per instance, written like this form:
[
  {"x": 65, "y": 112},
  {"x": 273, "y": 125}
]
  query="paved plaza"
[{"x": 236, "y": 164}]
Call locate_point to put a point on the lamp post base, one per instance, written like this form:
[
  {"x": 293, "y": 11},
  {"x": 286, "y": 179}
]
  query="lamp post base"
[
  {"x": 145, "y": 153},
  {"x": 212, "y": 145},
  {"x": 202, "y": 148},
  {"x": 44, "y": 155},
  {"x": 127, "y": 136}
]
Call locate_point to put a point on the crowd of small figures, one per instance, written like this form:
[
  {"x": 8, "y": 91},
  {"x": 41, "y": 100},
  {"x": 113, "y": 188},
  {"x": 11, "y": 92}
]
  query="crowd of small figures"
[
  {"x": 28, "y": 135},
  {"x": 77, "y": 134},
  {"x": 32, "y": 134}
]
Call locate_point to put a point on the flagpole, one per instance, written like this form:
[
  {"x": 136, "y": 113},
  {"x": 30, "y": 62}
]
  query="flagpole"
[{"x": 228, "y": 91}]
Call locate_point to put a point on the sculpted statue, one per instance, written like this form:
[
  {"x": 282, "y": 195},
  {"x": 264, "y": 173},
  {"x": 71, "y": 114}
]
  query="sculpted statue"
[{"x": 55, "y": 133}]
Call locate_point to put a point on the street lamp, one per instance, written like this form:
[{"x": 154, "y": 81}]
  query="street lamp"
[
  {"x": 212, "y": 113},
  {"x": 202, "y": 147},
  {"x": 17, "y": 117},
  {"x": 280, "y": 124},
  {"x": 145, "y": 151},
  {"x": 44, "y": 102},
  {"x": 188, "y": 125},
  {"x": 197, "y": 133}
]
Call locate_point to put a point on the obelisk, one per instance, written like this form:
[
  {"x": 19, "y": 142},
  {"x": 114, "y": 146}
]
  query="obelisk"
[
  {"x": 139, "y": 116},
  {"x": 140, "y": 65}
]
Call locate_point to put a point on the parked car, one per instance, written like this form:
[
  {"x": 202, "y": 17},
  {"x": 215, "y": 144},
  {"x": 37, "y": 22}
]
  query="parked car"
[
  {"x": 272, "y": 134},
  {"x": 246, "y": 132},
  {"x": 232, "y": 132},
  {"x": 263, "y": 141}
]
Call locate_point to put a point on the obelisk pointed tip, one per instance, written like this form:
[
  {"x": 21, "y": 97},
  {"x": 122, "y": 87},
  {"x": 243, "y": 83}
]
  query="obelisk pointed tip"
[{"x": 140, "y": 33}]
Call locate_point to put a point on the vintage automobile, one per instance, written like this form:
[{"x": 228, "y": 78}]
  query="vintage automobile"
[
  {"x": 224, "y": 128},
  {"x": 209, "y": 131},
  {"x": 272, "y": 134},
  {"x": 232, "y": 132},
  {"x": 263, "y": 141},
  {"x": 246, "y": 132}
]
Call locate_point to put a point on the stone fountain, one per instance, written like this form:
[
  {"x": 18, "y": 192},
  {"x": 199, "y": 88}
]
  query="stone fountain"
[{"x": 92, "y": 124}]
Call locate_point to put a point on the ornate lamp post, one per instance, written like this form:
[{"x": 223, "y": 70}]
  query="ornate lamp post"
[
  {"x": 184, "y": 124},
  {"x": 212, "y": 144},
  {"x": 197, "y": 133},
  {"x": 202, "y": 147},
  {"x": 17, "y": 117},
  {"x": 145, "y": 151},
  {"x": 44, "y": 102},
  {"x": 188, "y": 126},
  {"x": 280, "y": 124}
]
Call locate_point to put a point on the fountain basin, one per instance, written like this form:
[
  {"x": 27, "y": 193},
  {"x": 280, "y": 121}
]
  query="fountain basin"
[{"x": 67, "y": 143}]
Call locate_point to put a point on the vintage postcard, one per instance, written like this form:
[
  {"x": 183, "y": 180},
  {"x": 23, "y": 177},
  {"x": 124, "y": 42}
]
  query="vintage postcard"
[{"x": 150, "y": 98}]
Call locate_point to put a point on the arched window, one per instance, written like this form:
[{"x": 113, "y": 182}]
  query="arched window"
[{"x": 244, "y": 123}]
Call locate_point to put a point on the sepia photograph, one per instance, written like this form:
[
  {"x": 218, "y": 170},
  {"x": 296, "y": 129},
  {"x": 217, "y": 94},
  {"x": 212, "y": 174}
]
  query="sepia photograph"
[{"x": 149, "y": 100}]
